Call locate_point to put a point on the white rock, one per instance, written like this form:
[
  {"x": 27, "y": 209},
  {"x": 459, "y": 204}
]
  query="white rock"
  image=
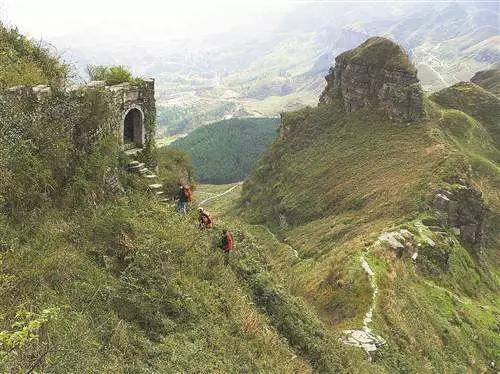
[
  {"x": 390, "y": 239},
  {"x": 430, "y": 242},
  {"x": 369, "y": 347},
  {"x": 366, "y": 267},
  {"x": 406, "y": 234}
]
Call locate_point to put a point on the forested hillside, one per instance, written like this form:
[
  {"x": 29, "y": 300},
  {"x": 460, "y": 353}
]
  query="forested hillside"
[{"x": 226, "y": 151}]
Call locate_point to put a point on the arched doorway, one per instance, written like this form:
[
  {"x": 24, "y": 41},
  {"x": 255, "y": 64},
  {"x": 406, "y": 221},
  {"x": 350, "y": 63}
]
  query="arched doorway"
[{"x": 133, "y": 129}]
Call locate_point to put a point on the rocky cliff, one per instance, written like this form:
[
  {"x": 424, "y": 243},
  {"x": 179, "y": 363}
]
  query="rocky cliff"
[{"x": 379, "y": 74}]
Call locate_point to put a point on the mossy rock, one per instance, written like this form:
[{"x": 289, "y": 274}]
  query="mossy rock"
[{"x": 382, "y": 52}]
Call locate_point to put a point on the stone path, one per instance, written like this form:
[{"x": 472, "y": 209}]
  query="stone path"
[
  {"x": 364, "y": 337},
  {"x": 150, "y": 178},
  {"x": 216, "y": 196}
]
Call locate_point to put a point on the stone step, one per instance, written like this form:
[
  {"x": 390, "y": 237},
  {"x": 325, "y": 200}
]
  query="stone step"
[
  {"x": 144, "y": 170},
  {"x": 133, "y": 163},
  {"x": 159, "y": 193},
  {"x": 133, "y": 151},
  {"x": 151, "y": 176},
  {"x": 136, "y": 167},
  {"x": 155, "y": 186},
  {"x": 435, "y": 228}
]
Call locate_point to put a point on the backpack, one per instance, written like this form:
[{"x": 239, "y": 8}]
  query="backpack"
[
  {"x": 188, "y": 194},
  {"x": 228, "y": 242}
]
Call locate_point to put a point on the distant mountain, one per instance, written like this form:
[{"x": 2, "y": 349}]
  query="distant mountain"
[
  {"x": 226, "y": 151},
  {"x": 282, "y": 67}
]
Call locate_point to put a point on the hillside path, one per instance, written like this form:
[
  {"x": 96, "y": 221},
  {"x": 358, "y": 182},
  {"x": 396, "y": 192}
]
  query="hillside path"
[
  {"x": 364, "y": 337},
  {"x": 221, "y": 194}
]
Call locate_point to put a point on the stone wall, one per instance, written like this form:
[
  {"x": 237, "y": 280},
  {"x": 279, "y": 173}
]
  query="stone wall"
[{"x": 91, "y": 110}]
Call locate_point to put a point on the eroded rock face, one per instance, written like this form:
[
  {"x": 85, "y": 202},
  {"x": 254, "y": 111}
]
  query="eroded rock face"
[
  {"x": 462, "y": 208},
  {"x": 376, "y": 74}
]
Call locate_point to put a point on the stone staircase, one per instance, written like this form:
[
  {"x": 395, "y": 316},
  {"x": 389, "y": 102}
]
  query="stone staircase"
[{"x": 149, "y": 177}]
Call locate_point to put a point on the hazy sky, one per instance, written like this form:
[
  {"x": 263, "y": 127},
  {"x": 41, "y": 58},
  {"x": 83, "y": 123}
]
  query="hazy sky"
[{"x": 54, "y": 18}]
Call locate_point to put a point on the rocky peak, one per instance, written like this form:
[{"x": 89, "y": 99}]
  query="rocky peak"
[{"x": 378, "y": 73}]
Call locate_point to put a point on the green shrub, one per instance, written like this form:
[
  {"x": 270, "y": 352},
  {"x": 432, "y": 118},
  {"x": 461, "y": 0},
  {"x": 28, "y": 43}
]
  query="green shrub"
[{"x": 110, "y": 74}]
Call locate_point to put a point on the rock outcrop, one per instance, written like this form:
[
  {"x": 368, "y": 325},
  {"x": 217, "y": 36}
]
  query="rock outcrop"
[
  {"x": 462, "y": 208},
  {"x": 378, "y": 74}
]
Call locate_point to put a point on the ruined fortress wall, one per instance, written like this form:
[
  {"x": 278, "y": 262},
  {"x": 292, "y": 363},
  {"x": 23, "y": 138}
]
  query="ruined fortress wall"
[{"x": 91, "y": 111}]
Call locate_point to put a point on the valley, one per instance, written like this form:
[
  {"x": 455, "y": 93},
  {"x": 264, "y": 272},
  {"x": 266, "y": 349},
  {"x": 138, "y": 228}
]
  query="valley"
[{"x": 357, "y": 180}]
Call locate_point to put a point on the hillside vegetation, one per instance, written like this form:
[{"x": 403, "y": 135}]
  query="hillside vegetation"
[
  {"x": 336, "y": 185},
  {"x": 24, "y": 63},
  {"x": 226, "y": 151},
  {"x": 96, "y": 275}
]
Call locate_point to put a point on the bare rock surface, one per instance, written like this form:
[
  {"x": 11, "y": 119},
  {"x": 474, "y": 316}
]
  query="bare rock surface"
[
  {"x": 379, "y": 74},
  {"x": 461, "y": 207}
]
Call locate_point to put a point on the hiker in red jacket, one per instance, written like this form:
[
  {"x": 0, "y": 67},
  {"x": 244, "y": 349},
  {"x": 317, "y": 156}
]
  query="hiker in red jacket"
[
  {"x": 227, "y": 241},
  {"x": 204, "y": 220}
]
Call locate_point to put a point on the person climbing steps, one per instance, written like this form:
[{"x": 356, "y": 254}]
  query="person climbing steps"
[
  {"x": 185, "y": 197},
  {"x": 204, "y": 220}
]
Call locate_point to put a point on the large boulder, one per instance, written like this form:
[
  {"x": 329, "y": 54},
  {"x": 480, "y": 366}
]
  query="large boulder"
[
  {"x": 461, "y": 207},
  {"x": 378, "y": 73}
]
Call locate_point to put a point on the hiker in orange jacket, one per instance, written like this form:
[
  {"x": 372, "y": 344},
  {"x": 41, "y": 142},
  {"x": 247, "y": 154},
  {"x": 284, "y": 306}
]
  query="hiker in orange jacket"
[
  {"x": 204, "y": 219},
  {"x": 227, "y": 241}
]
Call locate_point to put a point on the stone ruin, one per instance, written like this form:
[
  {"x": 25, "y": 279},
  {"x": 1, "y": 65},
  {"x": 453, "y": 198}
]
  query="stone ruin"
[
  {"x": 130, "y": 111},
  {"x": 376, "y": 74}
]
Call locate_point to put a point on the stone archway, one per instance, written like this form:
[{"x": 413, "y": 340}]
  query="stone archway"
[{"x": 133, "y": 128}]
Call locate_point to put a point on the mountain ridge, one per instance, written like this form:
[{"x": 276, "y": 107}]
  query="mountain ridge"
[{"x": 341, "y": 185}]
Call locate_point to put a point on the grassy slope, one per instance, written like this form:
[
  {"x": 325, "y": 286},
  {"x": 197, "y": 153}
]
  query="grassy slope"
[
  {"x": 488, "y": 79},
  {"x": 338, "y": 181},
  {"x": 137, "y": 287},
  {"x": 24, "y": 63},
  {"x": 226, "y": 151}
]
